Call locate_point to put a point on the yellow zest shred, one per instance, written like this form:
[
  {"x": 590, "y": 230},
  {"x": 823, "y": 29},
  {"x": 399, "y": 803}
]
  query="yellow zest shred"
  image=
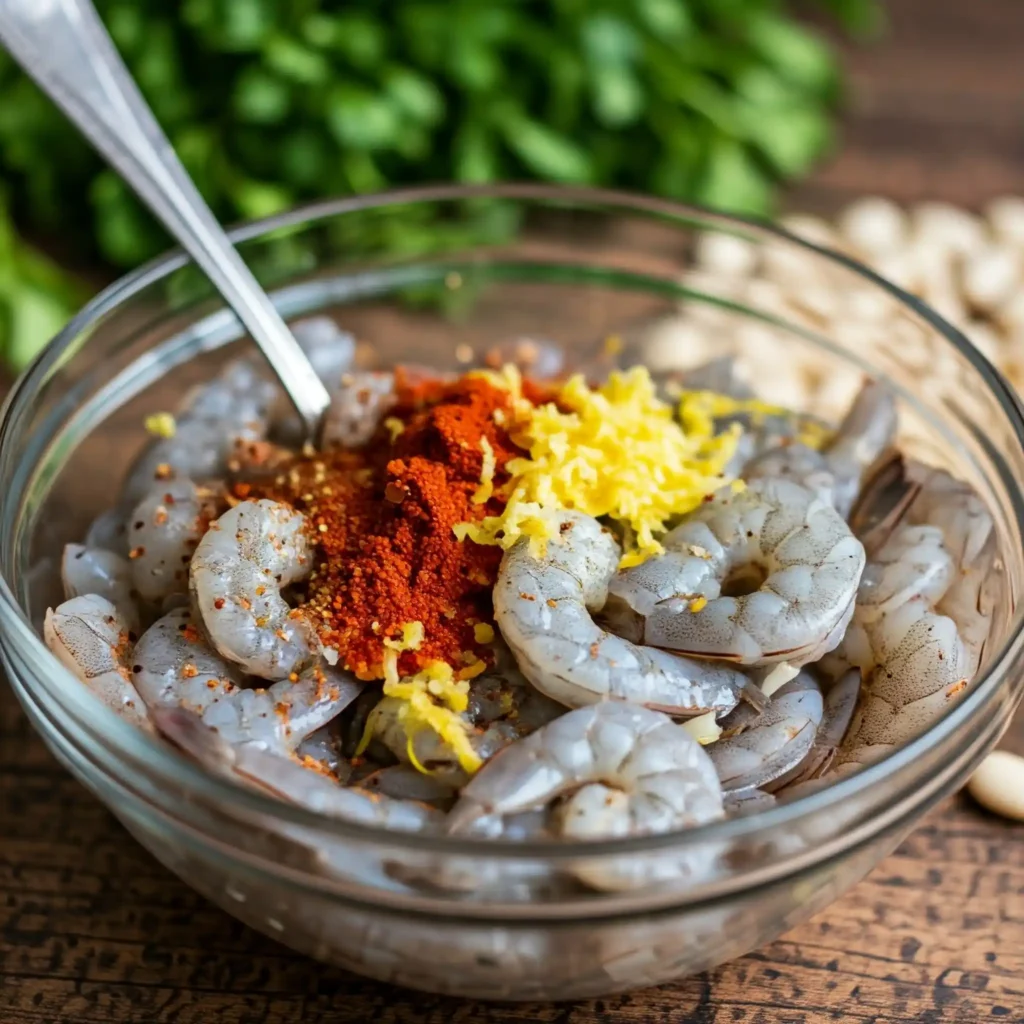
[
  {"x": 412, "y": 637},
  {"x": 486, "y": 488},
  {"x": 161, "y": 424},
  {"x": 704, "y": 728},
  {"x": 395, "y": 427},
  {"x": 434, "y": 698},
  {"x": 614, "y": 451},
  {"x": 698, "y": 604},
  {"x": 698, "y": 411},
  {"x": 483, "y": 633}
]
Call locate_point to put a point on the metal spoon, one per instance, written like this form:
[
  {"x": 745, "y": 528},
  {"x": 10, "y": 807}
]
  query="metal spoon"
[{"x": 64, "y": 47}]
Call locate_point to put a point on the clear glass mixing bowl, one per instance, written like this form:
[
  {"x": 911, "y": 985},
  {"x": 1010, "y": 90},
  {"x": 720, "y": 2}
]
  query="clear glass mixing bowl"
[{"x": 429, "y": 276}]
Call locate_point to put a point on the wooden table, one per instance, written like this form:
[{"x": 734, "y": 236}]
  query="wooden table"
[{"x": 92, "y": 929}]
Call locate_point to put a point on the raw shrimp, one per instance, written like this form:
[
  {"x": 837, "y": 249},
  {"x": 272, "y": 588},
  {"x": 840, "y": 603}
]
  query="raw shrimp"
[
  {"x": 502, "y": 707},
  {"x": 109, "y": 531},
  {"x": 787, "y": 548},
  {"x": 230, "y": 411},
  {"x": 236, "y": 576},
  {"x": 626, "y": 770},
  {"x": 173, "y": 666},
  {"x": 543, "y": 604},
  {"x": 756, "y": 749},
  {"x": 835, "y": 473},
  {"x": 163, "y": 532},
  {"x": 329, "y": 349},
  {"x": 622, "y": 770},
  {"x": 322, "y": 750},
  {"x": 840, "y": 705},
  {"x": 914, "y": 661},
  {"x": 358, "y": 404},
  {"x": 90, "y": 637},
  {"x": 291, "y": 781},
  {"x": 85, "y": 570}
]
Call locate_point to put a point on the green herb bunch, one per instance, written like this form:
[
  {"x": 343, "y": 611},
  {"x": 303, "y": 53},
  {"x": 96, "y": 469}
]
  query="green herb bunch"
[{"x": 270, "y": 103}]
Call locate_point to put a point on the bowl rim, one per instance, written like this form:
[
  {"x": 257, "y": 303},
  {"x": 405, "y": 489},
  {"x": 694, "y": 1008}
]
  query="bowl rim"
[{"x": 165, "y": 761}]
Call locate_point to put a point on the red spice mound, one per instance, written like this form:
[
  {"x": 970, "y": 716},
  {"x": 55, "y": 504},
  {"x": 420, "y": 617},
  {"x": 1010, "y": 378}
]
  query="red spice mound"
[{"x": 383, "y": 518}]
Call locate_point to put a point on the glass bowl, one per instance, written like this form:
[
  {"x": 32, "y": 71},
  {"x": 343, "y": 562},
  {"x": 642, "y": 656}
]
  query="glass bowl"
[{"x": 435, "y": 276}]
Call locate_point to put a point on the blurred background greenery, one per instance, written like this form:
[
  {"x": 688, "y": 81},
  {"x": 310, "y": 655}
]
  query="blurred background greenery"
[{"x": 271, "y": 103}]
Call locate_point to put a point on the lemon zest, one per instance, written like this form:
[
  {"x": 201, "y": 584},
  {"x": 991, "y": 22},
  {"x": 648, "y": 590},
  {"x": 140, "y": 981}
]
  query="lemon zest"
[
  {"x": 614, "y": 451},
  {"x": 161, "y": 424},
  {"x": 698, "y": 604},
  {"x": 411, "y": 639},
  {"x": 395, "y": 427},
  {"x": 698, "y": 411},
  {"x": 483, "y": 633},
  {"x": 490, "y": 463}
]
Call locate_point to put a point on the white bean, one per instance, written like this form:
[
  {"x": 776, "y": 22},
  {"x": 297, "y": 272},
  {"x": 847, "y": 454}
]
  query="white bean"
[
  {"x": 874, "y": 225},
  {"x": 944, "y": 226},
  {"x": 1006, "y": 218},
  {"x": 990, "y": 276},
  {"x": 726, "y": 254},
  {"x": 998, "y": 784}
]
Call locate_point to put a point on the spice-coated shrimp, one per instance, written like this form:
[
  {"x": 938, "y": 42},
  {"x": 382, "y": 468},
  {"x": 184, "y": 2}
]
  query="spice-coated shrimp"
[
  {"x": 358, "y": 404},
  {"x": 174, "y": 666},
  {"x": 543, "y": 604},
  {"x": 163, "y": 531},
  {"x": 86, "y": 570},
  {"x": 92, "y": 639},
  {"x": 231, "y": 410},
  {"x": 786, "y": 546},
  {"x": 290, "y": 780},
  {"x": 236, "y": 575}
]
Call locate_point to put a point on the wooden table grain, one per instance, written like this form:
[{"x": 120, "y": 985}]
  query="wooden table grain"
[{"x": 92, "y": 929}]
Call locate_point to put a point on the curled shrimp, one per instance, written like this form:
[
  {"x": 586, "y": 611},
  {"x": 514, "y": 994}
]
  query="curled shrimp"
[
  {"x": 759, "y": 748},
  {"x": 502, "y": 707},
  {"x": 865, "y": 434},
  {"x": 230, "y": 410},
  {"x": 236, "y": 575},
  {"x": 924, "y": 608},
  {"x": 788, "y": 552},
  {"x": 621, "y": 770},
  {"x": 163, "y": 532},
  {"x": 91, "y": 638},
  {"x": 290, "y": 781},
  {"x": 543, "y": 604},
  {"x": 358, "y": 404},
  {"x": 87, "y": 570},
  {"x": 175, "y": 667}
]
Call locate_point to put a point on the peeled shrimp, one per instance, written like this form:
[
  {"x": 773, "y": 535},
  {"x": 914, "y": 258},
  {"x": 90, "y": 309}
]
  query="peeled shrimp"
[
  {"x": 913, "y": 659},
  {"x": 650, "y": 775},
  {"x": 291, "y": 781},
  {"x": 543, "y": 605},
  {"x": 789, "y": 548},
  {"x": 358, "y": 404},
  {"x": 924, "y": 609},
  {"x": 163, "y": 532},
  {"x": 835, "y": 473},
  {"x": 85, "y": 570},
  {"x": 174, "y": 667},
  {"x": 624, "y": 770},
  {"x": 91, "y": 638},
  {"x": 236, "y": 575},
  {"x": 230, "y": 410},
  {"x": 502, "y": 707},
  {"x": 755, "y": 751}
]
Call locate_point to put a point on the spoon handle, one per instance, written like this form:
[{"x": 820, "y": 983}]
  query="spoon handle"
[{"x": 64, "y": 47}]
